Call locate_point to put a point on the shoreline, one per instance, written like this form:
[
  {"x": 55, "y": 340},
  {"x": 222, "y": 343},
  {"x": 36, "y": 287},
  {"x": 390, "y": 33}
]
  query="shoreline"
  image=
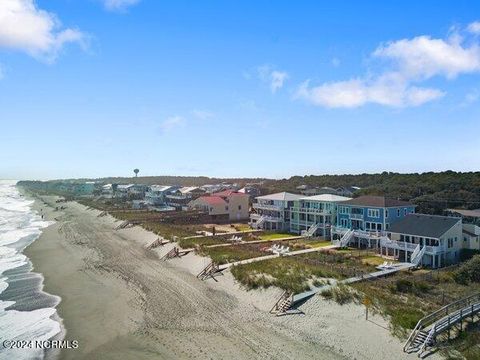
[{"x": 119, "y": 300}]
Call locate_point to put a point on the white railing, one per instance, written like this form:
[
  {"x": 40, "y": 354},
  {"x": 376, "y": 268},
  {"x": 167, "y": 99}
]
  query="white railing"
[
  {"x": 311, "y": 230},
  {"x": 402, "y": 245},
  {"x": 258, "y": 224},
  {"x": 309, "y": 210},
  {"x": 267, "y": 207},
  {"x": 346, "y": 238},
  {"x": 417, "y": 255},
  {"x": 356, "y": 216},
  {"x": 415, "y": 252}
]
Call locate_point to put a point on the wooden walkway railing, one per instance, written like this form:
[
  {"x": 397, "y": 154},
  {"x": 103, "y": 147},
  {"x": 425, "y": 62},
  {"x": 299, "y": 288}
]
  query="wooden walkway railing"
[{"x": 428, "y": 328}]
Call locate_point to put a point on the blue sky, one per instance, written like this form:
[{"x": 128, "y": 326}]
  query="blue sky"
[{"x": 93, "y": 88}]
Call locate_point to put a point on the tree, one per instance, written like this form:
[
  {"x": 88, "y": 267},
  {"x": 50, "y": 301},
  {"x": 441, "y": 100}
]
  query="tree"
[{"x": 136, "y": 171}]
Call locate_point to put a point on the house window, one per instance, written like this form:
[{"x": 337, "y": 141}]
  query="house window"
[
  {"x": 373, "y": 213},
  {"x": 405, "y": 211},
  {"x": 239, "y": 207},
  {"x": 386, "y": 213},
  {"x": 398, "y": 212}
]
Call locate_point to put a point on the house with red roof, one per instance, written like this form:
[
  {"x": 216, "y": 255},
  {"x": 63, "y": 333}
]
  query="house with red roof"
[{"x": 228, "y": 204}]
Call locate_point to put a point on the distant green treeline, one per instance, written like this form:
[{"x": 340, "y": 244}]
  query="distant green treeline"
[{"x": 432, "y": 192}]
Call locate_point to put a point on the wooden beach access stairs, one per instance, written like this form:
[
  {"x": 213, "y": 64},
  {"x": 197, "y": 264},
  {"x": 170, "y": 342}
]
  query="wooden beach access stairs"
[
  {"x": 209, "y": 271},
  {"x": 452, "y": 316},
  {"x": 283, "y": 304}
]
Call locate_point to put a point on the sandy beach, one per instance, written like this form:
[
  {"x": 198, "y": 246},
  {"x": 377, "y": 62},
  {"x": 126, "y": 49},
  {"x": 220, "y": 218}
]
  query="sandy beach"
[{"x": 120, "y": 301}]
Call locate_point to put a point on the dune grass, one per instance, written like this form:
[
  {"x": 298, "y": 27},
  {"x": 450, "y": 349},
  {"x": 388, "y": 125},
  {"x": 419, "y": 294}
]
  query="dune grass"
[
  {"x": 228, "y": 254},
  {"x": 200, "y": 241},
  {"x": 297, "y": 273}
]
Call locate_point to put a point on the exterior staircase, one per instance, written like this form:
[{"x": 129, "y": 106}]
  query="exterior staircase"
[
  {"x": 175, "y": 252},
  {"x": 345, "y": 239},
  {"x": 417, "y": 255},
  {"x": 311, "y": 230},
  {"x": 260, "y": 222},
  {"x": 423, "y": 336},
  {"x": 209, "y": 271}
]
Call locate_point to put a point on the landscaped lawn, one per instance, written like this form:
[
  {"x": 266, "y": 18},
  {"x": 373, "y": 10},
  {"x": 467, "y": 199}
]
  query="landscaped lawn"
[
  {"x": 242, "y": 227},
  {"x": 274, "y": 236}
]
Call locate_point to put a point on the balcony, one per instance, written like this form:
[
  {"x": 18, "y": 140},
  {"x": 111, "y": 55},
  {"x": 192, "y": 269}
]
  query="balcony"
[
  {"x": 267, "y": 207},
  {"x": 401, "y": 245},
  {"x": 356, "y": 216},
  {"x": 309, "y": 210},
  {"x": 254, "y": 216}
]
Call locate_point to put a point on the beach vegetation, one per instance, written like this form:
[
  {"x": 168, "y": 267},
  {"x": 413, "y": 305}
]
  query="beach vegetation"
[
  {"x": 468, "y": 272},
  {"x": 296, "y": 273},
  {"x": 275, "y": 236}
]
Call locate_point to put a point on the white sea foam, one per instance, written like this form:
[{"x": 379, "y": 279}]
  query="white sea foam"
[{"x": 19, "y": 226}]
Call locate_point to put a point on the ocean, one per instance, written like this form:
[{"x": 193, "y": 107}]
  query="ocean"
[{"x": 26, "y": 312}]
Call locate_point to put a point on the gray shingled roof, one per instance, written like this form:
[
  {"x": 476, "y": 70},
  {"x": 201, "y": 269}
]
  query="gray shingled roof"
[
  {"x": 377, "y": 201},
  {"x": 431, "y": 226}
]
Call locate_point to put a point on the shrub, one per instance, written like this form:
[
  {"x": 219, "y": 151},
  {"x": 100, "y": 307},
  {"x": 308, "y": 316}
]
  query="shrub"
[
  {"x": 327, "y": 294},
  {"x": 468, "y": 271},
  {"x": 403, "y": 285},
  {"x": 405, "y": 317}
]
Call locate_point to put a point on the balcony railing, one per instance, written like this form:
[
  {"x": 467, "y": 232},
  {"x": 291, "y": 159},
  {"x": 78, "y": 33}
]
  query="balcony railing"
[
  {"x": 401, "y": 245},
  {"x": 310, "y": 210},
  {"x": 267, "y": 207},
  {"x": 356, "y": 216},
  {"x": 267, "y": 218}
]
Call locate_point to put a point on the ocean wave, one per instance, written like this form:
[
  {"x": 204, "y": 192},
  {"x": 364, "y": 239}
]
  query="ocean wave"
[{"x": 19, "y": 226}]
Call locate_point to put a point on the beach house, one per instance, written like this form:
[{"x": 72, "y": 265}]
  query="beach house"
[
  {"x": 435, "y": 241},
  {"x": 314, "y": 215},
  {"x": 366, "y": 218},
  {"x": 156, "y": 194},
  {"x": 272, "y": 212},
  {"x": 225, "y": 205},
  {"x": 179, "y": 198},
  {"x": 471, "y": 236}
]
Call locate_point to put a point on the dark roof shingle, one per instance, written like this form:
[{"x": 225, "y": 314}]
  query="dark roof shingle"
[
  {"x": 377, "y": 201},
  {"x": 431, "y": 226}
]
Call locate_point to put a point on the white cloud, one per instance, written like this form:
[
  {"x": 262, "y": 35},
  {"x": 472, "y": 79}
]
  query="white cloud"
[
  {"x": 408, "y": 62},
  {"x": 274, "y": 78},
  {"x": 423, "y": 57},
  {"x": 172, "y": 123},
  {"x": 277, "y": 80},
  {"x": 37, "y": 32},
  {"x": 474, "y": 27},
  {"x": 202, "y": 114},
  {"x": 358, "y": 92},
  {"x": 119, "y": 5}
]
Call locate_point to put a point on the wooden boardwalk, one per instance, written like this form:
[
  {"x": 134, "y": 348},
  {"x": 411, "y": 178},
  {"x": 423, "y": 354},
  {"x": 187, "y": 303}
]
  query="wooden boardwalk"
[
  {"x": 453, "y": 315},
  {"x": 254, "y": 241},
  {"x": 225, "y": 234},
  {"x": 274, "y": 256},
  {"x": 376, "y": 274}
]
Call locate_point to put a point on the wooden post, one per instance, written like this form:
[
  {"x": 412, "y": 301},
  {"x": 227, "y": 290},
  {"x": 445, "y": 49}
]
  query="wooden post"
[
  {"x": 449, "y": 328},
  {"x": 461, "y": 319},
  {"x": 367, "y": 302}
]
